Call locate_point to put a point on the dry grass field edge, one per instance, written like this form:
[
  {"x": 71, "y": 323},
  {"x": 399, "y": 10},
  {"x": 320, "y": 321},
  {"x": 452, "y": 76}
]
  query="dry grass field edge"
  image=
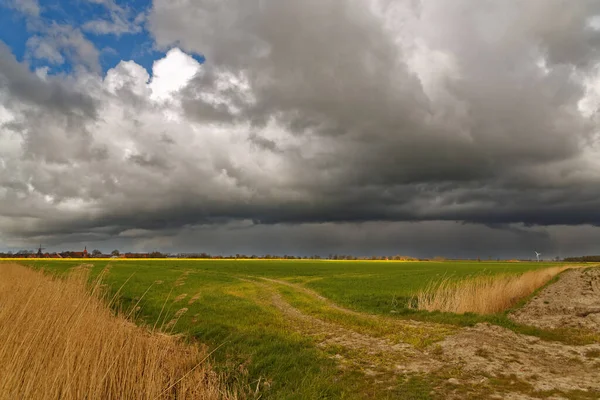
[
  {"x": 59, "y": 339},
  {"x": 484, "y": 294}
]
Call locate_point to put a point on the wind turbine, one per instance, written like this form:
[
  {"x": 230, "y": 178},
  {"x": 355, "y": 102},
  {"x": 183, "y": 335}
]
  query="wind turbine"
[{"x": 537, "y": 255}]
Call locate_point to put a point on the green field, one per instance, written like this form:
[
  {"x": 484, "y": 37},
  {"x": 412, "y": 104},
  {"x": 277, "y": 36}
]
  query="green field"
[{"x": 241, "y": 309}]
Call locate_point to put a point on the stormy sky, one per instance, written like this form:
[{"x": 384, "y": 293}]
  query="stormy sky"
[{"x": 464, "y": 128}]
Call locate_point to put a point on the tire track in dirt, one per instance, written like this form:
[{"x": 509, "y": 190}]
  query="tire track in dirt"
[
  {"x": 314, "y": 295},
  {"x": 374, "y": 356},
  {"x": 332, "y": 305},
  {"x": 395, "y": 357},
  {"x": 471, "y": 356}
]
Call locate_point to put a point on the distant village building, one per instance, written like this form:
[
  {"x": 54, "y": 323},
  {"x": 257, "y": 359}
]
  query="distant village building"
[
  {"x": 74, "y": 254},
  {"x": 80, "y": 254}
]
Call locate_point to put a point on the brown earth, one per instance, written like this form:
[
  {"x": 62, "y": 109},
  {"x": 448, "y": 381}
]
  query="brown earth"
[
  {"x": 492, "y": 351},
  {"x": 572, "y": 302},
  {"x": 485, "y": 361}
]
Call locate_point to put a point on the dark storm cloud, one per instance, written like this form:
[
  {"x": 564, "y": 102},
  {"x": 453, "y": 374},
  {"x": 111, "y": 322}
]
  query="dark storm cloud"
[
  {"x": 422, "y": 239},
  {"x": 339, "y": 114},
  {"x": 395, "y": 140},
  {"x": 19, "y": 84}
]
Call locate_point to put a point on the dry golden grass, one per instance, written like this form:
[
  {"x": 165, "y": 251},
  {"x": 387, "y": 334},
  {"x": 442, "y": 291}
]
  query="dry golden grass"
[
  {"x": 483, "y": 294},
  {"x": 60, "y": 340}
]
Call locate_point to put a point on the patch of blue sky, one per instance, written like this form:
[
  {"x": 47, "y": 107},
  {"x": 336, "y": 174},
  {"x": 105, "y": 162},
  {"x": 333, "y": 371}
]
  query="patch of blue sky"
[
  {"x": 13, "y": 32},
  {"x": 137, "y": 46},
  {"x": 113, "y": 48}
]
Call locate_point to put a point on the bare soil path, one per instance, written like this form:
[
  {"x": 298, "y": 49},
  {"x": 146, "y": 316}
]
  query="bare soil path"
[
  {"x": 484, "y": 361},
  {"x": 572, "y": 302},
  {"x": 491, "y": 351},
  {"x": 370, "y": 354}
]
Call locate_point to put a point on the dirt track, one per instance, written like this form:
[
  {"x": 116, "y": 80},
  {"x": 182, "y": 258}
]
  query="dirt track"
[
  {"x": 489, "y": 350},
  {"x": 484, "y": 361},
  {"x": 572, "y": 302}
]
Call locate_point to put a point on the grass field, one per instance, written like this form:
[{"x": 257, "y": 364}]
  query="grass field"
[{"x": 229, "y": 304}]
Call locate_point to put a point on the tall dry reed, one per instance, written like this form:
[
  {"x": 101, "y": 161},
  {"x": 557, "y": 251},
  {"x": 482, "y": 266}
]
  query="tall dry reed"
[
  {"x": 483, "y": 294},
  {"x": 58, "y": 340}
]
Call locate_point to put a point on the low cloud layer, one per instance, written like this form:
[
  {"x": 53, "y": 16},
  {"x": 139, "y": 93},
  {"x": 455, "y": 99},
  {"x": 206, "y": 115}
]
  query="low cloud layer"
[{"x": 309, "y": 117}]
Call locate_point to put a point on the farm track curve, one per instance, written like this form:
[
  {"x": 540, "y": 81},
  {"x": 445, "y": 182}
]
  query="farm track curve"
[{"x": 484, "y": 360}]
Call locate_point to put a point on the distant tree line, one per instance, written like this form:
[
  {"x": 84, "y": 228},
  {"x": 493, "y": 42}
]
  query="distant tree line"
[
  {"x": 291, "y": 257},
  {"x": 156, "y": 254},
  {"x": 583, "y": 259}
]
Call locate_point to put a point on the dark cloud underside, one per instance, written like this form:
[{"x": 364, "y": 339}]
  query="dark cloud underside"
[{"x": 311, "y": 114}]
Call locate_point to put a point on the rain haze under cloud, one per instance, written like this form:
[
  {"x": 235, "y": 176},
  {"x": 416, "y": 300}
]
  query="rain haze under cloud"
[{"x": 465, "y": 128}]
